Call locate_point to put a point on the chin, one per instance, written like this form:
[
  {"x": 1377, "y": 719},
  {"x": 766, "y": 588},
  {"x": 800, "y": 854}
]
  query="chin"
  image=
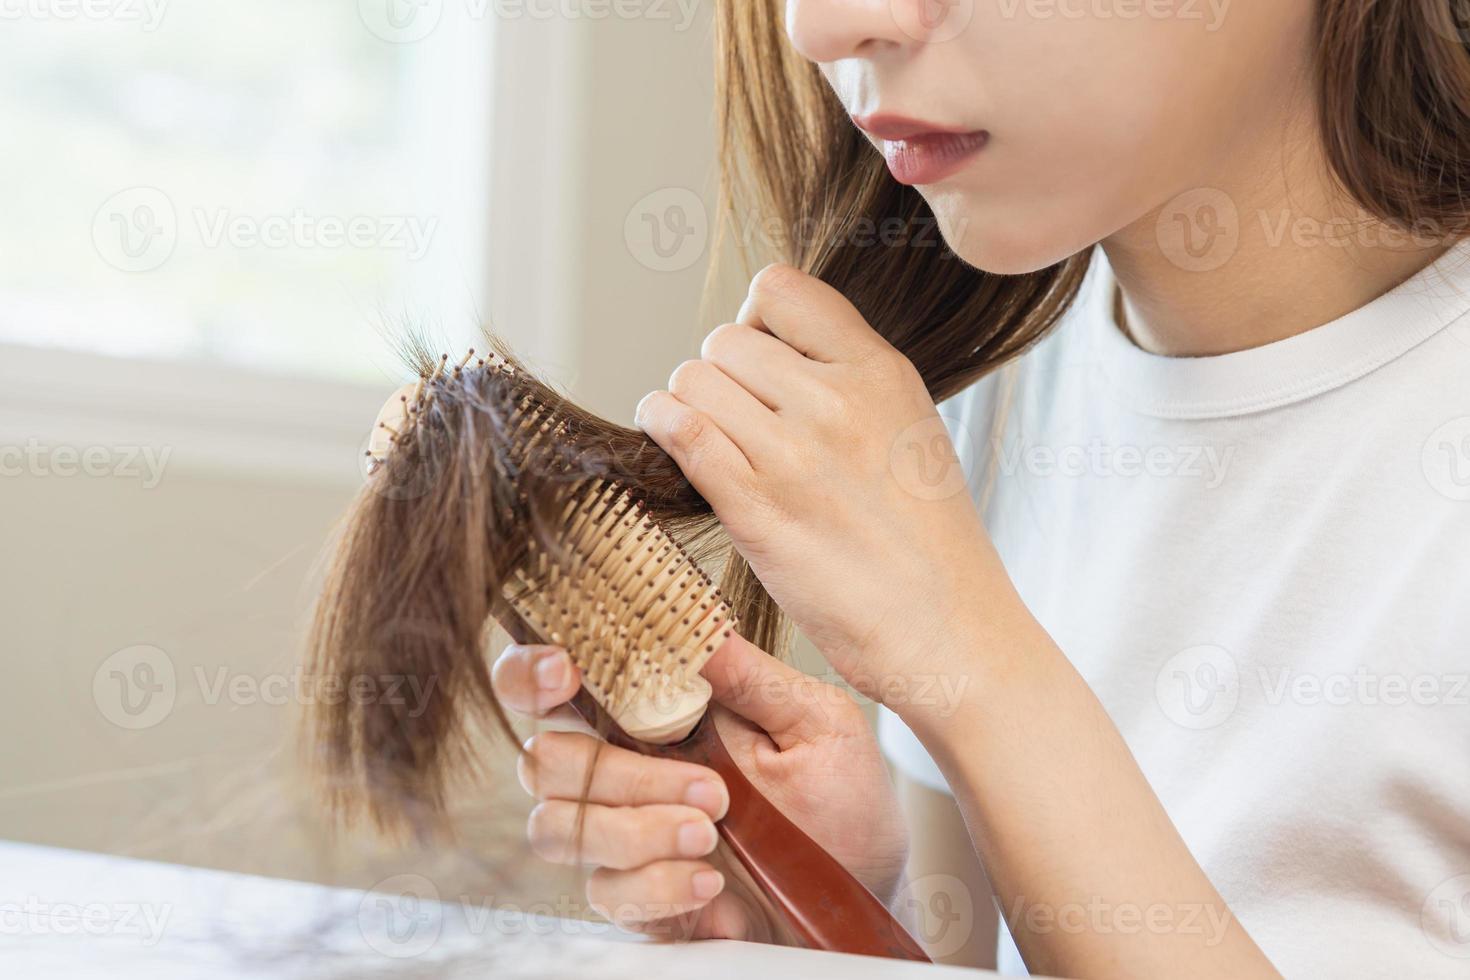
[{"x": 1008, "y": 239}]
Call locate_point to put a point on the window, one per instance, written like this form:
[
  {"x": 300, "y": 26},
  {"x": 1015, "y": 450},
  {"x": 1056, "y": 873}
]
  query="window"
[{"x": 262, "y": 184}]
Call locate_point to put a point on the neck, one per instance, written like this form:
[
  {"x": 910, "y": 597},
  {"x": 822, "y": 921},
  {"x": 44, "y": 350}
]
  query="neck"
[{"x": 1269, "y": 249}]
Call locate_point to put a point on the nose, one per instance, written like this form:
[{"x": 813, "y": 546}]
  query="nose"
[{"x": 831, "y": 30}]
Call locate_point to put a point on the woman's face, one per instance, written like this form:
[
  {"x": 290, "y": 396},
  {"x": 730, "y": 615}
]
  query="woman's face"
[{"x": 1035, "y": 128}]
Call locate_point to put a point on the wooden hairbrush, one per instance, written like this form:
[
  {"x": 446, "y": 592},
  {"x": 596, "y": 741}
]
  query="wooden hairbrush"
[{"x": 639, "y": 617}]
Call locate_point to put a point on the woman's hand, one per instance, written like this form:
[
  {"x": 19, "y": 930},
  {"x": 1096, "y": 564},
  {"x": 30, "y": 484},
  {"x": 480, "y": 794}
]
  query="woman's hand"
[
  {"x": 799, "y": 425},
  {"x": 820, "y": 450},
  {"x": 650, "y": 823}
]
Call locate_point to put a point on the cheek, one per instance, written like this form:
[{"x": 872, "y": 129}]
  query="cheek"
[{"x": 1097, "y": 122}]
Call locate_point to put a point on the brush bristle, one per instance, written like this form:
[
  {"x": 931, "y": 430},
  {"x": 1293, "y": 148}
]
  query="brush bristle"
[
  {"x": 636, "y": 615},
  {"x": 602, "y": 579}
]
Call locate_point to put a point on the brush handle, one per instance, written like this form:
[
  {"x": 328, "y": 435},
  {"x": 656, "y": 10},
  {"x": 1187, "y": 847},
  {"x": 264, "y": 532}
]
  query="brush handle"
[
  {"x": 823, "y": 904},
  {"x": 820, "y": 901}
]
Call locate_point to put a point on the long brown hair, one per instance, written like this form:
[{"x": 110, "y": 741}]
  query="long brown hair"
[{"x": 417, "y": 576}]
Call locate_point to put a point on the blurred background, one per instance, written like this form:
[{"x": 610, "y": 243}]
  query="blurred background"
[{"x": 215, "y": 215}]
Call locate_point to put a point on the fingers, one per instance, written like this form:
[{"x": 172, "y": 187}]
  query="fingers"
[
  {"x": 738, "y": 412},
  {"x": 554, "y": 766},
  {"x": 730, "y": 915},
  {"x": 758, "y": 362},
  {"x": 621, "y": 838},
  {"x": 789, "y": 705},
  {"x": 534, "y": 680},
  {"x": 653, "y": 892},
  {"x": 710, "y": 460},
  {"x": 809, "y": 315}
]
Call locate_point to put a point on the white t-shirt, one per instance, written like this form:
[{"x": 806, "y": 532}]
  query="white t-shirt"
[{"x": 1260, "y": 563}]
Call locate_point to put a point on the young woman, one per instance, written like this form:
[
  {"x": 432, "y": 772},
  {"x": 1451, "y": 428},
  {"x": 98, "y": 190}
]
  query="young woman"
[{"x": 1190, "y": 655}]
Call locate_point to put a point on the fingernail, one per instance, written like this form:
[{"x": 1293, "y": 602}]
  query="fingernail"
[
  {"x": 696, "y": 838},
  {"x": 551, "y": 671},
  {"x": 707, "y": 884},
  {"x": 706, "y": 795},
  {"x": 638, "y": 412}
]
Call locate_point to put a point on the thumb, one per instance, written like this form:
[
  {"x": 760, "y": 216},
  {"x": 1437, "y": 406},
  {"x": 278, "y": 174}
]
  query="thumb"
[{"x": 789, "y": 705}]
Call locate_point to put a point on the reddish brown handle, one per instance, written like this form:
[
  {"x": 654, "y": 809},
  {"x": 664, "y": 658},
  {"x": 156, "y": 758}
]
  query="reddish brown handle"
[{"x": 820, "y": 899}]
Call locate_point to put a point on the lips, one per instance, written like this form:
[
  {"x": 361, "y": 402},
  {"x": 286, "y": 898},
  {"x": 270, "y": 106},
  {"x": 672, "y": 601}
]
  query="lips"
[{"x": 922, "y": 153}]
